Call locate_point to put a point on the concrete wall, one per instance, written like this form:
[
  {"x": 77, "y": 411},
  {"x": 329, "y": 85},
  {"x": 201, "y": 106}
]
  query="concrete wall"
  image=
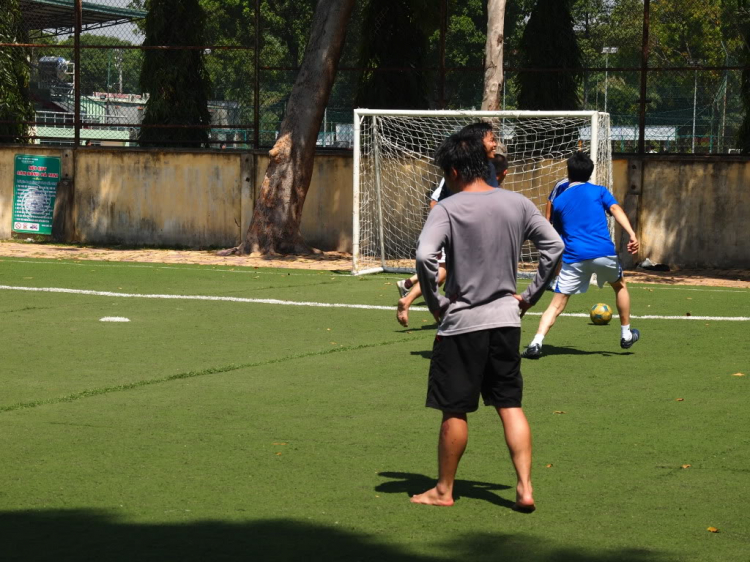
[
  {"x": 184, "y": 199},
  {"x": 327, "y": 215},
  {"x": 689, "y": 212},
  {"x": 157, "y": 198},
  {"x": 696, "y": 215}
]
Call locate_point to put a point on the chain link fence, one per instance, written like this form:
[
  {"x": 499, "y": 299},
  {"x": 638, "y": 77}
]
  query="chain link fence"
[{"x": 678, "y": 92}]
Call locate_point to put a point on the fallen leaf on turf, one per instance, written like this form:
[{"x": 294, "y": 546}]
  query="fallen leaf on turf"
[
  {"x": 328, "y": 329},
  {"x": 549, "y": 466},
  {"x": 712, "y": 530},
  {"x": 558, "y": 412},
  {"x": 278, "y": 454},
  {"x": 689, "y": 298},
  {"x": 680, "y": 400},
  {"x": 738, "y": 375},
  {"x": 279, "y": 443},
  {"x": 333, "y": 343},
  {"x": 686, "y": 465}
]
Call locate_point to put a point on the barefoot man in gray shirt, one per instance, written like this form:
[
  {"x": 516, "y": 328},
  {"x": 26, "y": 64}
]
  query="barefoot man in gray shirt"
[{"x": 476, "y": 350}]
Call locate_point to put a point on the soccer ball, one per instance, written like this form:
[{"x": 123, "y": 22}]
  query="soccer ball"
[{"x": 600, "y": 314}]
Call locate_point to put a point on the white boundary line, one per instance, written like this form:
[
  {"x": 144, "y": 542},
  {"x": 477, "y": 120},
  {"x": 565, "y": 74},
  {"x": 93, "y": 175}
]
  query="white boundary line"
[
  {"x": 301, "y": 273},
  {"x": 317, "y": 304}
]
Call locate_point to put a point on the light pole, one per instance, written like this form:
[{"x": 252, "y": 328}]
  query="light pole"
[
  {"x": 606, "y": 51},
  {"x": 695, "y": 63}
]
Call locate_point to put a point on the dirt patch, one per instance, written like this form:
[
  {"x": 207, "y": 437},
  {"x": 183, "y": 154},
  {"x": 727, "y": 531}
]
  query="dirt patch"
[{"x": 328, "y": 261}]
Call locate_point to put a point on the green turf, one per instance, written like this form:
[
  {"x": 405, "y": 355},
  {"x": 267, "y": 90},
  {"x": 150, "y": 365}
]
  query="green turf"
[{"x": 229, "y": 431}]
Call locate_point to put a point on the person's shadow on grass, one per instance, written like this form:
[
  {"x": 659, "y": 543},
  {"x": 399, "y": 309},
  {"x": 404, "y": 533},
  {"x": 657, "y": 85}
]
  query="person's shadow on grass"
[
  {"x": 549, "y": 350},
  {"x": 563, "y": 350},
  {"x": 411, "y": 484}
]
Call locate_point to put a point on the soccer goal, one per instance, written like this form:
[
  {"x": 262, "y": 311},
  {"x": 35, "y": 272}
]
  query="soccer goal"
[{"x": 394, "y": 173}]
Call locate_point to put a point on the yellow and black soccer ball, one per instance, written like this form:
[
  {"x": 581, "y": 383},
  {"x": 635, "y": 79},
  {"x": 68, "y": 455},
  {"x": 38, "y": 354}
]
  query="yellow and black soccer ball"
[{"x": 601, "y": 314}]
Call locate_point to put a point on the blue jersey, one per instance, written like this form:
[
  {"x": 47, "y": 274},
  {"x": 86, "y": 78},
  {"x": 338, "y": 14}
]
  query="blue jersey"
[
  {"x": 579, "y": 214},
  {"x": 560, "y": 186}
]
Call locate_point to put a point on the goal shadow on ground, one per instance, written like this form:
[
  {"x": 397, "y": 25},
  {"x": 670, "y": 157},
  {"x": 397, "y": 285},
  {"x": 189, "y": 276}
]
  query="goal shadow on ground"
[{"x": 82, "y": 534}]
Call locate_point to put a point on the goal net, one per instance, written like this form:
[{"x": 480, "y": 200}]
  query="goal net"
[{"x": 394, "y": 173}]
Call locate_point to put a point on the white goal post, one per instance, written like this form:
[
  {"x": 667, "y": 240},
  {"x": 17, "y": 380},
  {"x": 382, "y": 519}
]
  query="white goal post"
[{"x": 394, "y": 173}]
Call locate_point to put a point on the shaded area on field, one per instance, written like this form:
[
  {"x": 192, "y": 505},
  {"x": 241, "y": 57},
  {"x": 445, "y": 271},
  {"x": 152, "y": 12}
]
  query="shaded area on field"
[{"x": 42, "y": 536}]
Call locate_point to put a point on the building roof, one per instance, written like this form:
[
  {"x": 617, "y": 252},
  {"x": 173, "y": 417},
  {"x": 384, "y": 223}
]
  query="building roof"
[{"x": 58, "y": 18}]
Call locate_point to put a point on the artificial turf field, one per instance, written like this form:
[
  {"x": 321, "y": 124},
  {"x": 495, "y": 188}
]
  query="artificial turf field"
[{"x": 241, "y": 430}]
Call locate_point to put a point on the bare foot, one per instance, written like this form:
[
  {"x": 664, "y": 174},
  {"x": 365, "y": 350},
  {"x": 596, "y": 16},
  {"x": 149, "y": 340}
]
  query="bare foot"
[
  {"x": 433, "y": 497},
  {"x": 524, "y": 499},
  {"x": 402, "y": 314}
]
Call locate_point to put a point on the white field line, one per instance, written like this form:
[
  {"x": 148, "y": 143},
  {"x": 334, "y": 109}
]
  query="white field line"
[
  {"x": 246, "y": 270},
  {"x": 114, "y": 319},
  {"x": 319, "y": 304}
]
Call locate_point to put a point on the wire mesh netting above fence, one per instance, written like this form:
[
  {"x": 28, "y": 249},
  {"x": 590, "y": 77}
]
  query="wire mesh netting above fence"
[{"x": 86, "y": 67}]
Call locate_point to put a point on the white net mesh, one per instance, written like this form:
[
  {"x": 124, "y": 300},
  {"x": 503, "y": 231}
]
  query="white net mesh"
[{"x": 396, "y": 174}]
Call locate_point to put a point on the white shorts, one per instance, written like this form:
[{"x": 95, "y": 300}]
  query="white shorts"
[{"x": 575, "y": 277}]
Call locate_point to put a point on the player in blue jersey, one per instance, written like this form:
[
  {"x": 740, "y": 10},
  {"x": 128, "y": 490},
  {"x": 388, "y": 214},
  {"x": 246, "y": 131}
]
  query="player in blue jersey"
[
  {"x": 559, "y": 188},
  {"x": 579, "y": 214}
]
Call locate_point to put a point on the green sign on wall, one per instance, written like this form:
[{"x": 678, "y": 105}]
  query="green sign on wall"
[{"x": 34, "y": 189}]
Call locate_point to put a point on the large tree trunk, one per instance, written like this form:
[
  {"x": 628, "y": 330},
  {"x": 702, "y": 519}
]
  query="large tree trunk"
[
  {"x": 493, "y": 56},
  {"x": 275, "y": 228}
]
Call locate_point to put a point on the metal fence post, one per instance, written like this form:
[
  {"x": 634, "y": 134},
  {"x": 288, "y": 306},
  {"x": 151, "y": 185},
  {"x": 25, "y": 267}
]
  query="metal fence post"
[
  {"x": 78, "y": 22},
  {"x": 256, "y": 92},
  {"x": 644, "y": 77}
]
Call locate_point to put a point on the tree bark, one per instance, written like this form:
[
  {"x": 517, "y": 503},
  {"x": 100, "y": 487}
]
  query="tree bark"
[
  {"x": 275, "y": 228},
  {"x": 493, "y": 56}
]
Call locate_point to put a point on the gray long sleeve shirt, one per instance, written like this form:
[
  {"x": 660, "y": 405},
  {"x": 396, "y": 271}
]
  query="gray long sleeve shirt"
[{"x": 482, "y": 233}]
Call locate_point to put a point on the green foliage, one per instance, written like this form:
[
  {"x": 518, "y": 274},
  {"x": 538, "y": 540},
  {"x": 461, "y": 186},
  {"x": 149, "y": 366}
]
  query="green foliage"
[
  {"x": 100, "y": 68},
  {"x": 14, "y": 77},
  {"x": 464, "y": 47},
  {"x": 176, "y": 80},
  {"x": 743, "y": 135},
  {"x": 396, "y": 35},
  {"x": 549, "y": 41}
]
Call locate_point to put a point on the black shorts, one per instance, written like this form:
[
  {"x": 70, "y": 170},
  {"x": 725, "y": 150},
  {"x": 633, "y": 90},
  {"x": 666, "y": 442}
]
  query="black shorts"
[{"x": 486, "y": 362}]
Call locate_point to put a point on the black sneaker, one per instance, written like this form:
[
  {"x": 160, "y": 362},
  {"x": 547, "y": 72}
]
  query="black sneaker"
[
  {"x": 533, "y": 351},
  {"x": 627, "y": 344}
]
